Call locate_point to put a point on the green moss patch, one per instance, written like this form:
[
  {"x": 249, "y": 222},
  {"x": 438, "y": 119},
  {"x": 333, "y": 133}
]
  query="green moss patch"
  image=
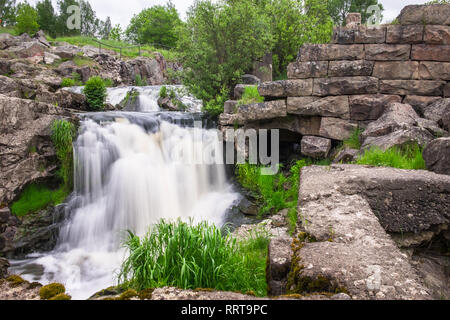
[{"x": 51, "y": 291}]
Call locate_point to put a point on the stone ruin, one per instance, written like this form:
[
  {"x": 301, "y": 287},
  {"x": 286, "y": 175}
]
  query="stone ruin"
[{"x": 332, "y": 89}]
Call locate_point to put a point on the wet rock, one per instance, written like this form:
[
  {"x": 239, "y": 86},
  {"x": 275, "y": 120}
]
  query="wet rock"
[
  {"x": 437, "y": 156},
  {"x": 316, "y": 147},
  {"x": 433, "y": 14},
  {"x": 248, "y": 208},
  {"x": 168, "y": 104},
  {"x": 430, "y": 52}
]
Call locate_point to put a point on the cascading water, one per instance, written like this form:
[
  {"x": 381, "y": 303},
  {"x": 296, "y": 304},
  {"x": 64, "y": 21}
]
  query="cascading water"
[{"x": 131, "y": 170}]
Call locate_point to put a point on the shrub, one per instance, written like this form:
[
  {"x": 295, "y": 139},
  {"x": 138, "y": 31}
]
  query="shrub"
[
  {"x": 163, "y": 92},
  {"x": 191, "y": 256},
  {"x": 251, "y": 95},
  {"x": 408, "y": 157},
  {"x": 215, "y": 107},
  {"x": 26, "y": 20},
  {"x": 68, "y": 82},
  {"x": 52, "y": 290},
  {"x": 95, "y": 92}
]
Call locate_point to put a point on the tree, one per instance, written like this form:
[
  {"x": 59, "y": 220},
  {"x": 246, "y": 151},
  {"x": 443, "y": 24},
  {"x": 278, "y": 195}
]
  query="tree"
[
  {"x": 219, "y": 43},
  {"x": 26, "y": 19},
  {"x": 339, "y": 9},
  {"x": 63, "y": 17},
  {"x": 7, "y": 12},
  {"x": 46, "y": 17},
  {"x": 106, "y": 29},
  {"x": 116, "y": 33},
  {"x": 156, "y": 25},
  {"x": 89, "y": 21}
]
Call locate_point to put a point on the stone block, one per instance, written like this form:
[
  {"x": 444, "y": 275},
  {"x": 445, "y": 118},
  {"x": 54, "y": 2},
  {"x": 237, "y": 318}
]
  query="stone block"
[
  {"x": 404, "y": 34},
  {"x": 333, "y": 106},
  {"x": 286, "y": 88},
  {"x": 437, "y": 35},
  {"x": 387, "y": 52},
  {"x": 412, "y": 87},
  {"x": 350, "y": 68},
  {"x": 427, "y": 52},
  {"x": 324, "y": 52},
  {"x": 370, "y": 107},
  {"x": 337, "y": 129},
  {"x": 435, "y": 14},
  {"x": 310, "y": 69},
  {"x": 345, "y": 86},
  {"x": 315, "y": 147},
  {"x": 398, "y": 70}
]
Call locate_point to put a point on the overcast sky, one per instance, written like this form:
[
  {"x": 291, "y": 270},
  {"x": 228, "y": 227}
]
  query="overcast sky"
[{"x": 121, "y": 11}]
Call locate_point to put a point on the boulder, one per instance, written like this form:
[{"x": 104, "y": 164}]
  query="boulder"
[
  {"x": 420, "y": 103},
  {"x": 432, "y": 14},
  {"x": 297, "y": 103},
  {"x": 167, "y": 104},
  {"x": 316, "y": 147},
  {"x": 439, "y": 112},
  {"x": 152, "y": 71},
  {"x": 337, "y": 107},
  {"x": 250, "y": 79},
  {"x": 350, "y": 68},
  {"x": 404, "y": 34},
  {"x": 6, "y": 40},
  {"x": 41, "y": 38},
  {"x": 4, "y": 265},
  {"x": 397, "y": 70},
  {"x": 278, "y": 265},
  {"x": 248, "y": 208},
  {"x": 430, "y": 52},
  {"x": 346, "y": 155},
  {"x": 336, "y": 129},
  {"x": 437, "y": 35},
  {"x": 309, "y": 69},
  {"x": 27, "y": 50},
  {"x": 230, "y": 106},
  {"x": 437, "y": 156},
  {"x": 50, "y": 58},
  {"x": 67, "y": 99},
  {"x": 286, "y": 88},
  {"x": 412, "y": 87},
  {"x": 10, "y": 87},
  {"x": 345, "y": 86},
  {"x": 399, "y": 138},
  {"x": 67, "y": 68},
  {"x": 447, "y": 90},
  {"x": 370, "y": 107},
  {"x": 429, "y": 70},
  {"x": 387, "y": 52},
  {"x": 66, "y": 51}
]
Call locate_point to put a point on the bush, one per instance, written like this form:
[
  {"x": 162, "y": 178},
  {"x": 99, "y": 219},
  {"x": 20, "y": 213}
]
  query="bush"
[
  {"x": 408, "y": 157},
  {"x": 189, "y": 257},
  {"x": 68, "y": 82},
  {"x": 95, "y": 92},
  {"x": 215, "y": 107},
  {"x": 251, "y": 95},
  {"x": 26, "y": 20},
  {"x": 163, "y": 92}
]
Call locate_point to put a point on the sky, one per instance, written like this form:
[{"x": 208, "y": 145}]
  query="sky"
[{"x": 121, "y": 11}]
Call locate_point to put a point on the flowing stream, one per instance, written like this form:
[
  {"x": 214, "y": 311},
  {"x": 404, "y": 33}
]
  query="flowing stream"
[{"x": 131, "y": 170}]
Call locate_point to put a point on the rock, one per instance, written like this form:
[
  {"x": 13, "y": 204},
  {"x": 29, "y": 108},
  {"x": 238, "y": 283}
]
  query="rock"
[
  {"x": 439, "y": 112},
  {"x": 316, "y": 147},
  {"x": 397, "y": 70},
  {"x": 16, "y": 288},
  {"x": 429, "y": 70},
  {"x": 399, "y": 138},
  {"x": 10, "y": 87},
  {"x": 447, "y": 90},
  {"x": 239, "y": 90},
  {"x": 181, "y": 295},
  {"x": 280, "y": 219},
  {"x": 337, "y": 107},
  {"x": 152, "y": 71},
  {"x": 353, "y": 20},
  {"x": 67, "y": 68},
  {"x": 262, "y": 68},
  {"x": 50, "y": 58},
  {"x": 230, "y": 106},
  {"x": 248, "y": 208},
  {"x": 387, "y": 52},
  {"x": 279, "y": 264},
  {"x": 4, "y": 265},
  {"x": 262, "y": 111},
  {"x": 353, "y": 207},
  {"x": 250, "y": 79},
  {"x": 328, "y": 52},
  {"x": 412, "y": 87},
  {"x": 70, "y": 100},
  {"x": 167, "y": 104},
  {"x": 305, "y": 70},
  {"x": 404, "y": 34},
  {"x": 66, "y": 52},
  {"x": 27, "y": 50},
  {"x": 346, "y": 155},
  {"x": 286, "y": 88},
  {"x": 370, "y": 107},
  {"x": 430, "y": 52},
  {"x": 362, "y": 34},
  {"x": 336, "y": 129},
  {"x": 437, "y": 156},
  {"x": 345, "y": 86},
  {"x": 419, "y": 103},
  {"x": 350, "y": 68},
  {"x": 40, "y": 36},
  {"x": 296, "y": 103},
  {"x": 434, "y": 14},
  {"x": 437, "y": 35}
]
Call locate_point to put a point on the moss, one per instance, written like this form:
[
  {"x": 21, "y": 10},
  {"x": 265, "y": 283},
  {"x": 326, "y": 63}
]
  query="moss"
[
  {"x": 127, "y": 295},
  {"x": 52, "y": 290},
  {"x": 250, "y": 293},
  {"x": 145, "y": 294},
  {"x": 34, "y": 285},
  {"x": 61, "y": 297},
  {"x": 111, "y": 291},
  {"x": 204, "y": 290},
  {"x": 16, "y": 280}
]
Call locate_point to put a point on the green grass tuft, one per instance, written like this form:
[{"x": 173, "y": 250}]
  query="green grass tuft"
[
  {"x": 191, "y": 256},
  {"x": 409, "y": 157},
  {"x": 250, "y": 95},
  {"x": 354, "y": 142}
]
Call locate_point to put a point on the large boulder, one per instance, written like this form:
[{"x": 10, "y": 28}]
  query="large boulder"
[
  {"x": 434, "y": 14},
  {"x": 315, "y": 147},
  {"x": 28, "y": 50},
  {"x": 152, "y": 71},
  {"x": 437, "y": 156},
  {"x": 439, "y": 112}
]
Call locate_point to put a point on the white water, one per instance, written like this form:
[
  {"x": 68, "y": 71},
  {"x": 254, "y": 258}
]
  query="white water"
[{"x": 127, "y": 178}]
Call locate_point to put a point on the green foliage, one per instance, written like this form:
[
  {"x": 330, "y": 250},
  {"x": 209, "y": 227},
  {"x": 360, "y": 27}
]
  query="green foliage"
[
  {"x": 339, "y": 9},
  {"x": 37, "y": 197},
  {"x": 163, "y": 92},
  {"x": 67, "y": 82},
  {"x": 214, "y": 107},
  {"x": 63, "y": 133},
  {"x": 354, "y": 142},
  {"x": 156, "y": 25},
  {"x": 108, "y": 82},
  {"x": 251, "y": 95},
  {"x": 139, "y": 82},
  {"x": 408, "y": 157},
  {"x": 195, "y": 256},
  {"x": 116, "y": 33},
  {"x": 26, "y": 19},
  {"x": 46, "y": 17},
  {"x": 95, "y": 92},
  {"x": 7, "y": 13},
  {"x": 219, "y": 44}
]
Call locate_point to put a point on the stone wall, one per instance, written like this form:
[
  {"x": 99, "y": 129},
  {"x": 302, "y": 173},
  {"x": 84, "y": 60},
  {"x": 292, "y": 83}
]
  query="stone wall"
[{"x": 334, "y": 88}]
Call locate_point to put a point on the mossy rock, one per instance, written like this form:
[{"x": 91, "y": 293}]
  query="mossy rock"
[
  {"x": 16, "y": 280},
  {"x": 61, "y": 297},
  {"x": 34, "y": 285},
  {"x": 52, "y": 290},
  {"x": 145, "y": 294},
  {"x": 127, "y": 295}
]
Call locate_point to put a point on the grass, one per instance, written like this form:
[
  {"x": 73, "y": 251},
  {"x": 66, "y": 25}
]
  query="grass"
[
  {"x": 354, "y": 141},
  {"x": 63, "y": 133},
  {"x": 277, "y": 192},
  {"x": 250, "y": 95},
  {"x": 191, "y": 256},
  {"x": 9, "y": 30},
  {"x": 37, "y": 197},
  {"x": 146, "y": 51},
  {"x": 409, "y": 157}
]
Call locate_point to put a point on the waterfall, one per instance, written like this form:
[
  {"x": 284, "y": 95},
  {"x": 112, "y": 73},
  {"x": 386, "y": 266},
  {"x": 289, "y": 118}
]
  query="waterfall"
[{"x": 128, "y": 176}]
